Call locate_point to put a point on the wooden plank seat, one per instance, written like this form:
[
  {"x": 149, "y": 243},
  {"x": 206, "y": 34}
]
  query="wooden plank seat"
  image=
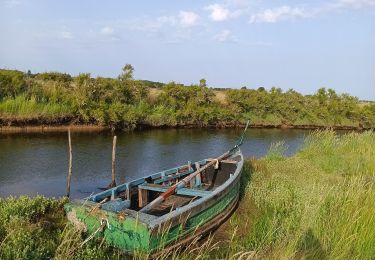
[{"x": 183, "y": 191}]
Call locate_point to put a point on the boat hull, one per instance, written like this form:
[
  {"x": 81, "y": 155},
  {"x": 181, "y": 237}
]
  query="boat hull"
[{"x": 136, "y": 232}]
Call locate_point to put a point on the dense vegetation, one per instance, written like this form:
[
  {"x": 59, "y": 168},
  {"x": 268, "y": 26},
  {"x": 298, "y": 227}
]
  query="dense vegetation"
[
  {"x": 317, "y": 204},
  {"x": 123, "y": 102}
]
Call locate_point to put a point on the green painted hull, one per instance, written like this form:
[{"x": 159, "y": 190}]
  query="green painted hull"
[
  {"x": 131, "y": 235},
  {"x": 133, "y": 231}
]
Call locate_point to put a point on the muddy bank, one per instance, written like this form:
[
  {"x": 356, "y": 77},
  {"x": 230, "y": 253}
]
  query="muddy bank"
[{"x": 63, "y": 124}]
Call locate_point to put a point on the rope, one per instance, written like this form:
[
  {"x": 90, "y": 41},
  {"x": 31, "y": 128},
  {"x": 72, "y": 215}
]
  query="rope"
[{"x": 103, "y": 223}]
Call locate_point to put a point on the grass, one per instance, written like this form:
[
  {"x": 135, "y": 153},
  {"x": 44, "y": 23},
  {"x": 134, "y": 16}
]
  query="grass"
[
  {"x": 317, "y": 204},
  {"x": 21, "y": 107}
]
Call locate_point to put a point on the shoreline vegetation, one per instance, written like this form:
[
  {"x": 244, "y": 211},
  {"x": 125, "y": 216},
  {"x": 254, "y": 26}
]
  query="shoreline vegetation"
[
  {"x": 316, "y": 204},
  {"x": 54, "y": 100}
]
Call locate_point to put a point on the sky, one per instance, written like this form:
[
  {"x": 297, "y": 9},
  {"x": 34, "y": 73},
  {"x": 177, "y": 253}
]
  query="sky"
[{"x": 304, "y": 45}]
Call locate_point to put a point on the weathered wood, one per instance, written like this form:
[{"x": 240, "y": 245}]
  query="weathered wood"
[
  {"x": 113, "y": 183},
  {"x": 172, "y": 177},
  {"x": 223, "y": 161},
  {"x": 206, "y": 228},
  {"x": 70, "y": 164},
  {"x": 198, "y": 178},
  {"x": 183, "y": 191},
  {"x": 142, "y": 197},
  {"x": 181, "y": 184}
]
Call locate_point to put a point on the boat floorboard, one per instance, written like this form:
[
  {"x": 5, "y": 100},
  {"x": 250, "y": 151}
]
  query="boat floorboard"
[{"x": 171, "y": 203}]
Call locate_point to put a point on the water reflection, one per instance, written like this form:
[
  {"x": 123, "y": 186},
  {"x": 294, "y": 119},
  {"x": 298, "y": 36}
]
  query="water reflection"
[{"x": 36, "y": 163}]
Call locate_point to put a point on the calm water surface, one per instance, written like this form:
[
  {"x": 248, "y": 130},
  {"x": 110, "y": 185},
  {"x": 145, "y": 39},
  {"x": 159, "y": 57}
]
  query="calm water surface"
[{"x": 37, "y": 163}]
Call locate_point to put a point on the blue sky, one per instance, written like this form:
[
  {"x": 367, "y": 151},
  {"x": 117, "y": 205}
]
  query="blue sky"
[{"x": 302, "y": 45}]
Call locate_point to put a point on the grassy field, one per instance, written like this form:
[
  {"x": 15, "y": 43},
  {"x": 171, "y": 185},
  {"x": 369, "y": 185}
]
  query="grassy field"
[{"x": 317, "y": 204}]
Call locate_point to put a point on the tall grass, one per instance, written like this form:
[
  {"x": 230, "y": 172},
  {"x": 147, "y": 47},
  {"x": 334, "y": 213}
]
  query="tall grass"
[
  {"x": 22, "y": 107},
  {"x": 318, "y": 204}
]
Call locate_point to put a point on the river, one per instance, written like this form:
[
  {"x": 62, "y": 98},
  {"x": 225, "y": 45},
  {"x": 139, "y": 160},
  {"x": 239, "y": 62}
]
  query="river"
[{"x": 37, "y": 163}]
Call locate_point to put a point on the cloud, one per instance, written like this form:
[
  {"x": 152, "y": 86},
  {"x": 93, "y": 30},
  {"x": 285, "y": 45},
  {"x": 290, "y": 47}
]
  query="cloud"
[
  {"x": 355, "y": 4},
  {"x": 184, "y": 19},
  {"x": 225, "y": 36},
  {"x": 188, "y": 19},
  {"x": 274, "y": 15},
  {"x": 65, "y": 35},
  {"x": 12, "y": 3},
  {"x": 107, "y": 30},
  {"x": 218, "y": 12}
]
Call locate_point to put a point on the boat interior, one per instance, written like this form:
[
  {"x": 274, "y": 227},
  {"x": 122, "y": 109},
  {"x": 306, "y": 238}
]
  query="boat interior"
[{"x": 136, "y": 194}]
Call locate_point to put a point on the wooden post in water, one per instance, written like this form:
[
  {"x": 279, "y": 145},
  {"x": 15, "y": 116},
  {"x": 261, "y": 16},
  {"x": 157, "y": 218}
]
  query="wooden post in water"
[
  {"x": 113, "y": 183},
  {"x": 70, "y": 164}
]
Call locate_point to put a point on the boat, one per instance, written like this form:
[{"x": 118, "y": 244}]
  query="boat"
[{"x": 165, "y": 210}]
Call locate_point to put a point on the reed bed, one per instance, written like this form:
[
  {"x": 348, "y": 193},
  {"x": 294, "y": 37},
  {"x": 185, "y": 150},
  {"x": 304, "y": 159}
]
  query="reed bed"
[
  {"x": 317, "y": 204},
  {"x": 23, "y": 108}
]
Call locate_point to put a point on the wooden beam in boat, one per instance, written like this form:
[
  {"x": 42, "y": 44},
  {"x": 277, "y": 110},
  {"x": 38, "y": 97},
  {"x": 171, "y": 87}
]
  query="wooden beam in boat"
[
  {"x": 223, "y": 161},
  {"x": 171, "y": 177},
  {"x": 181, "y": 184},
  {"x": 142, "y": 197},
  {"x": 198, "y": 178},
  {"x": 183, "y": 191}
]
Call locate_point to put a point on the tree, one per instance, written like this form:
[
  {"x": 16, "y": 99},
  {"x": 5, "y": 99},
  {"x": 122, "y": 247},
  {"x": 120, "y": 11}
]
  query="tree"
[
  {"x": 127, "y": 73},
  {"x": 261, "y": 89},
  {"x": 202, "y": 83}
]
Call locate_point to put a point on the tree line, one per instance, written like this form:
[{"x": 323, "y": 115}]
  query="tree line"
[{"x": 125, "y": 102}]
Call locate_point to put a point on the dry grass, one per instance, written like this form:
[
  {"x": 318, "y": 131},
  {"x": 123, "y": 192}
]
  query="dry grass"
[{"x": 221, "y": 97}]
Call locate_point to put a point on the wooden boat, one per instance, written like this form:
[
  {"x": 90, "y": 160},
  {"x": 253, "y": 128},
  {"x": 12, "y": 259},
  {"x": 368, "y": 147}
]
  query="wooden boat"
[{"x": 166, "y": 209}]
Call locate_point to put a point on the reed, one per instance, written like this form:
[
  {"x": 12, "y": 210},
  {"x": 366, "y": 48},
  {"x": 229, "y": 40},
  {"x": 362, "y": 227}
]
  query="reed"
[{"x": 22, "y": 107}]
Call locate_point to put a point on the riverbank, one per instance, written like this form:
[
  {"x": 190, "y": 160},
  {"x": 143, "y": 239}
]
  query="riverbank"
[
  {"x": 316, "y": 204},
  {"x": 57, "y": 127},
  {"x": 57, "y": 99}
]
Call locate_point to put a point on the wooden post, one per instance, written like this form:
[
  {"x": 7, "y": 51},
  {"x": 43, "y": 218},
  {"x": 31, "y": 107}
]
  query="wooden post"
[
  {"x": 198, "y": 177},
  {"x": 70, "y": 164},
  {"x": 113, "y": 183}
]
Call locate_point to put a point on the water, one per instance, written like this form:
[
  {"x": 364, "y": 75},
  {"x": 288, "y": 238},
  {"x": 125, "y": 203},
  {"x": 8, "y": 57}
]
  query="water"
[{"x": 37, "y": 163}]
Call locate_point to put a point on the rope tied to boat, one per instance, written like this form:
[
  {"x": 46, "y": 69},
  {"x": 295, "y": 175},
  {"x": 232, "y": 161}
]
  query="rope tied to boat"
[{"x": 104, "y": 223}]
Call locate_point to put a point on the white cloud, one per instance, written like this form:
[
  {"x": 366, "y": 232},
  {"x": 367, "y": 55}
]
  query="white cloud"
[
  {"x": 225, "y": 36},
  {"x": 65, "y": 35},
  {"x": 188, "y": 19},
  {"x": 278, "y": 14},
  {"x": 218, "y": 12},
  {"x": 107, "y": 30},
  {"x": 356, "y": 4}
]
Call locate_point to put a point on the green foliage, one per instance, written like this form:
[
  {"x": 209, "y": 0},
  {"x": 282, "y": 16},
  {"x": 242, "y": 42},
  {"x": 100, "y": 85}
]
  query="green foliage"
[
  {"x": 54, "y": 76},
  {"x": 12, "y": 83},
  {"x": 122, "y": 103}
]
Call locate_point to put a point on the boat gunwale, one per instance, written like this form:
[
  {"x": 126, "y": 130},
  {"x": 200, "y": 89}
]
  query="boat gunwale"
[{"x": 157, "y": 221}]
